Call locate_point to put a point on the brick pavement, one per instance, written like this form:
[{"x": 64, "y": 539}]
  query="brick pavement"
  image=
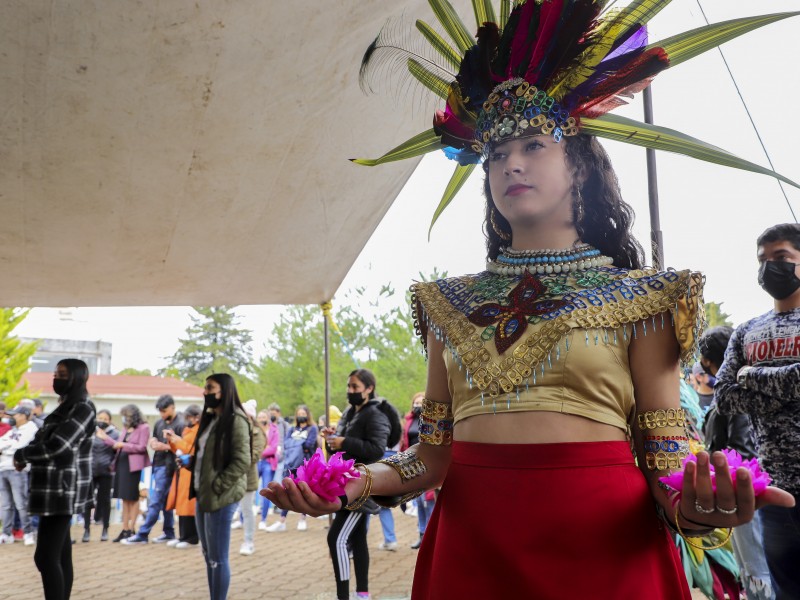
[
  {"x": 293, "y": 565},
  {"x": 286, "y": 566}
]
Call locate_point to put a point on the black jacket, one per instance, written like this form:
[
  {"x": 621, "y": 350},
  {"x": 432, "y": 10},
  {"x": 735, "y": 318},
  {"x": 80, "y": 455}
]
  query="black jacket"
[
  {"x": 735, "y": 432},
  {"x": 365, "y": 433},
  {"x": 102, "y": 454}
]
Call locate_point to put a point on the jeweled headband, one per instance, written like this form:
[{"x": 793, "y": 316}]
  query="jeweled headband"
[{"x": 548, "y": 66}]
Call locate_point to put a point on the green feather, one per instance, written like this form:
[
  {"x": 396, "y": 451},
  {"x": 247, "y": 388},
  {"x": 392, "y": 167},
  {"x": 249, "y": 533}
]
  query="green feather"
[
  {"x": 460, "y": 176},
  {"x": 687, "y": 45},
  {"x": 433, "y": 82},
  {"x": 484, "y": 12},
  {"x": 452, "y": 24},
  {"x": 505, "y": 10},
  {"x": 439, "y": 44},
  {"x": 422, "y": 143},
  {"x": 621, "y": 129}
]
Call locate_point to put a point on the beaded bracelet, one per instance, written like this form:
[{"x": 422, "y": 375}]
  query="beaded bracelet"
[
  {"x": 358, "y": 502},
  {"x": 687, "y": 539},
  {"x": 407, "y": 464},
  {"x": 670, "y": 417}
]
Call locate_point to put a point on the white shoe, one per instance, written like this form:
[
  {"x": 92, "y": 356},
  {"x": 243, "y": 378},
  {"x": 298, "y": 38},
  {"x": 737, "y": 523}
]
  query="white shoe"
[
  {"x": 29, "y": 539},
  {"x": 236, "y": 524},
  {"x": 390, "y": 546},
  {"x": 184, "y": 545},
  {"x": 275, "y": 527},
  {"x": 262, "y": 525},
  {"x": 173, "y": 543},
  {"x": 411, "y": 510},
  {"x": 302, "y": 525},
  {"x": 246, "y": 549},
  {"x": 6, "y": 539}
]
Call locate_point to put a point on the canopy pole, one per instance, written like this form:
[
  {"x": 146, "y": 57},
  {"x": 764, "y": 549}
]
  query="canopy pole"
[
  {"x": 327, "y": 307},
  {"x": 656, "y": 237}
]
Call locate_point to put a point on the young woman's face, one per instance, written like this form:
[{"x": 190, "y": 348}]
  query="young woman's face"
[
  {"x": 61, "y": 372},
  {"x": 354, "y": 384},
  {"x": 212, "y": 387},
  {"x": 531, "y": 182},
  {"x": 301, "y": 412},
  {"x": 104, "y": 417},
  {"x": 418, "y": 401}
]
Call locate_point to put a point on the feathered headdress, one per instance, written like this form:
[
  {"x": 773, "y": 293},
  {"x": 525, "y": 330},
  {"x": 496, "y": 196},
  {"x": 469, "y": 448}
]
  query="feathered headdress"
[{"x": 555, "y": 67}]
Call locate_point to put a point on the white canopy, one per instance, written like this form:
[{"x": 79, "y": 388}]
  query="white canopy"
[{"x": 174, "y": 153}]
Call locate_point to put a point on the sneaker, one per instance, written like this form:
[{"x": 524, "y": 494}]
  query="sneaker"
[
  {"x": 6, "y": 539},
  {"x": 302, "y": 525},
  {"x": 125, "y": 533},
  {"x": 86, "y": 536},
  {"x": 30, "y": 539},
  {"x": 262, "y": 525},
  {"x": 389, "y": 546},
  {"x": 134, "y": 540},
  {"x": 104, "y": 535},
  {"x": 172, "y": 543},
  {"x": 163, "y": 538},
  {"x": 236, "y": 524},
  {"x": 246, "y": 549},
  {"x": 18, "y": 534},
  {"x": 185, "y": 545},
  {"x": 275, "y": 527}
]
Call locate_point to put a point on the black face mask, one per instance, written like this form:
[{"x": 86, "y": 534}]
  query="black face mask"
[
  {"x": 61, "y": 386},
  {"x": 273, "y": 418},
  {"x": 302, "y": 420},
  {"x": 355, "y": 398},
  {"x": 778, "y": 278},
  {"x": 101, "y": 424},
  {"x": 416, "y": 411},
  {"x": 211, "y": 400}
]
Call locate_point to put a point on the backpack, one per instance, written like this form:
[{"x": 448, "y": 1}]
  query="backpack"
[{"x": 391, "y": 413}]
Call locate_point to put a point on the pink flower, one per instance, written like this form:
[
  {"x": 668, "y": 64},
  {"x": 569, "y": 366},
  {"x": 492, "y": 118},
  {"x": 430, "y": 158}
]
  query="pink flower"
[
  {"x": 327, "y": 480},
  {"x": 761, "y": 479}
]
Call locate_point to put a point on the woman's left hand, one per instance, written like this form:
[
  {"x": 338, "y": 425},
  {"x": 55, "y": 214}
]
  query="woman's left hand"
[
  {"x": 299, "y": 498},
  {"x": 118, "y": 445},
  {"x": 730, "y": 505}
]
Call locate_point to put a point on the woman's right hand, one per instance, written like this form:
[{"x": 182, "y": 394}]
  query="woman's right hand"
[
  {"x": 298, "y": 497},
  {"x": 100, "y": 433}
]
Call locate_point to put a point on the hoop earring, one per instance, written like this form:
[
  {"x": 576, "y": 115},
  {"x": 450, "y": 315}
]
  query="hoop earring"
[
  {"x": 577, "y": 206},
  {"x": 502, "y": 234}
]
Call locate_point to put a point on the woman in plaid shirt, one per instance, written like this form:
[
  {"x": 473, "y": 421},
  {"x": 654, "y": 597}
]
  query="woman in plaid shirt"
[{"x": 61, "y": 470}]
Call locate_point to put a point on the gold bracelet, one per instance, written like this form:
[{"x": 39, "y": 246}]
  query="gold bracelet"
[
  {"x": 688, "y": 540},
  {"x": 670, "y": 417},
  {"x": 358, "y": 502},
  {"x": 436, "y": 423},
  {"x": 407, "y": 464}
]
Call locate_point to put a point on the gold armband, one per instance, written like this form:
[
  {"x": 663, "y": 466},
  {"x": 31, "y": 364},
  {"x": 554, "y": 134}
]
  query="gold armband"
[
  {"x": 407, "y": 464},
  {"x": 358, "y": 502},
  {"x": 665, "y": 451},
  {"x": 436, "y": 423},
  {"x": 670, "y": 417}
]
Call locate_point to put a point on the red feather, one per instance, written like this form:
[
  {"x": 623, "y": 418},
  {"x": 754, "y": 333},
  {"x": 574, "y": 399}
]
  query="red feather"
[{"x": 549, "y": 21}]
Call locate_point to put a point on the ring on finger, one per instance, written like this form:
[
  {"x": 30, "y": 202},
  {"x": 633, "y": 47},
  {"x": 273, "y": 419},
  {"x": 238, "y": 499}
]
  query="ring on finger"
[
  {"x": 701, "y": 509},
  {"x": 728, "y": 511}
]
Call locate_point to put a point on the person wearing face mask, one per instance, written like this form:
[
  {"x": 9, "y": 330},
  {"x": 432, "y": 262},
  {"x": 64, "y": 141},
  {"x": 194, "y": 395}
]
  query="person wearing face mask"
[
  {"x": 60, "y": 458},
  {"x": 299, "y": 445},
  {"x": 760, "y": 377},
  {"x": 102, "y": 476},
  {"x": 424, "y": 503},
  {"x": 129, "y": 460},
  {"x": 361, "y": 434},
  {"x": 222, "y": 459},
  {"x": 269, "y": 460},
  {"x": 13, "y": 483},
  {"x": 178, "y": 499}
]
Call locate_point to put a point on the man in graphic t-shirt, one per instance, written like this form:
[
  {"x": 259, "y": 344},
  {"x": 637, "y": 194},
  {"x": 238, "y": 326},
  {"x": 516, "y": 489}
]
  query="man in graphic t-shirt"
[{"x": 761, "y": 377}]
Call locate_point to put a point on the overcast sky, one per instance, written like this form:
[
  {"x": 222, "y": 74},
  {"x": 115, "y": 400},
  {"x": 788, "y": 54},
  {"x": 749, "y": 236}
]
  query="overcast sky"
[{"x": 710, "y": 215}]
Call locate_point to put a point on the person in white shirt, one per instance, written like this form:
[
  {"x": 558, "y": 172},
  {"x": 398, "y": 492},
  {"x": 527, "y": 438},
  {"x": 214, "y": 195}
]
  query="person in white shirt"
[{"x": 13, "y": 483}]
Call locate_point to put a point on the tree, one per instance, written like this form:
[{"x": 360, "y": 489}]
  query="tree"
[
  {"x": 380, "y": 339},
  {"x": 213, "y": 344},
  {"x": 131, "y": 371},
  {"x": 715, "y": 317},
  {"x": 15, "y": 357}
]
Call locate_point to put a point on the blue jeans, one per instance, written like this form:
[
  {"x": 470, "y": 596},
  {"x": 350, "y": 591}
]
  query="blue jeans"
[
  {"x": 265, "y": 474},
  {"x": 781, "y": 532},
  {"x": 158, "y": 500},
  {"x": 386, "y": 516},
  {"x": 14, "y": 493},
  {"x": 424, "y": 511},
  {"x": 214, "y": 531}
]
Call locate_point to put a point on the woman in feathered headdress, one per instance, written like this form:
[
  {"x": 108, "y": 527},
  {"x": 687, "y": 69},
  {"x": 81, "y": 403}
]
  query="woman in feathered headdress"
[{"x": 547, "y": 367}]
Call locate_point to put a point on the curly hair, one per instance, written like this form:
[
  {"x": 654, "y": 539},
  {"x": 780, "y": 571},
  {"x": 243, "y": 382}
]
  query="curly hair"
[
  {"x": 134, "y": 415},
  {"x": 607, "y": 218}
]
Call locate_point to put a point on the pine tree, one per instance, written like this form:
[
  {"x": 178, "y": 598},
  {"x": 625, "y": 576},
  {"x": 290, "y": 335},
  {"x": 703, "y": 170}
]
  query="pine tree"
[
  {"x": 213, "y": 344},
  {"x": 715, "y": 317},
  {"x": 15, "y": 357}
]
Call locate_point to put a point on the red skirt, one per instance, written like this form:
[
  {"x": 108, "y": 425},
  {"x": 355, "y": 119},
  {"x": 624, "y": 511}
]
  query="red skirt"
[{"x": 546, "y": 522}]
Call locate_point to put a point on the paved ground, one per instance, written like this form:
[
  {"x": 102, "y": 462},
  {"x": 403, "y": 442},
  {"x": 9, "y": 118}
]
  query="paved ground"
[{"x": 286, "y": 566}]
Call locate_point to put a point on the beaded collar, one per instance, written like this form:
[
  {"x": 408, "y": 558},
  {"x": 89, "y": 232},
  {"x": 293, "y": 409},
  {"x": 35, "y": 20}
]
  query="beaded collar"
[{"x": 580, "y": 257}]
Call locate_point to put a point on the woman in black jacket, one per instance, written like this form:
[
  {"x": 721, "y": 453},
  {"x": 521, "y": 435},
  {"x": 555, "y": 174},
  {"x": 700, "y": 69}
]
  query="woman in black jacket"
[
  {"x": 362, "y": 434},
  {"x": 102, "y": 477},
  {"x": 61, "y": 471}
]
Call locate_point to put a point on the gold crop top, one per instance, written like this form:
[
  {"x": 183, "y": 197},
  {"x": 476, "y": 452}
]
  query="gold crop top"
[{"x": 556, "y": 342}]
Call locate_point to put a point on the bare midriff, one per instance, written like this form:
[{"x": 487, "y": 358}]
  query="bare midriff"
[{"x": 534, "y": 427}]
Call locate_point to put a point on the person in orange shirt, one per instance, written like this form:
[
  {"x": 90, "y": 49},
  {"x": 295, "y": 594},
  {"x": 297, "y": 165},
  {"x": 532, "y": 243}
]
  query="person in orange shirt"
[{"x": 178, "y": 498}]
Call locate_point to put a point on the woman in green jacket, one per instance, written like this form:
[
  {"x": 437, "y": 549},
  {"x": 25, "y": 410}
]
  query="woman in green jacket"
[{"x": 219, "y": 478}]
